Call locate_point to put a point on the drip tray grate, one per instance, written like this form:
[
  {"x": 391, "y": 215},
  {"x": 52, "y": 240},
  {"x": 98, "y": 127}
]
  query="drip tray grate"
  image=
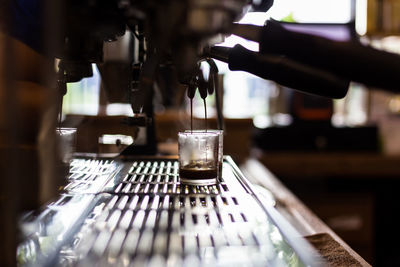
[
  {"x": 162, "y": 178},
  {"x": 203, "y": 229},
  {"x": 147, "y": 217},
  {"x": 89, "y": 175}
]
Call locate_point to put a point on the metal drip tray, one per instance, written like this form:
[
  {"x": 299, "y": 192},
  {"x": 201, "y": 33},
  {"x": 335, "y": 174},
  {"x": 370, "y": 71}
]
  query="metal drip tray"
[
  {"x": 161, "y": 177},
  {"x": 90, "y": 175},
  {"x": 143, "y": 216}
]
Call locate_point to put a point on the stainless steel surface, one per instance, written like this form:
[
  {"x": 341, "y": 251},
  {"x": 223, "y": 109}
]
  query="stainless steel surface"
[
  {"x": 90, "y": 175},
  {"x": 143, "y": 216}
]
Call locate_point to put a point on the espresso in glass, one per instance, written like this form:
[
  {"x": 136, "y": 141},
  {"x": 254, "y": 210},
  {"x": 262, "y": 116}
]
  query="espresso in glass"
[
  {"x": 198, "y": 158},
  {"x": 220, "y": 134},
  {"x": 197, "y": 171}
]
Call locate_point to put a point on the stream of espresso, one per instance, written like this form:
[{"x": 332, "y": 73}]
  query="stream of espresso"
[
  {"x": 202, "y": 171},
  {"x": 205, "y": 113},
  {"x": 191, "y": 115},
  {"x": 205, "y": 118}
]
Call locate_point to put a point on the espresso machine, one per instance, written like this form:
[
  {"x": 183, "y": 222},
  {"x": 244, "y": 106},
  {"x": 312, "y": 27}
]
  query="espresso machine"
[
  {"x": 132, "y": 210},
  {"x": 168, "y": 41}
]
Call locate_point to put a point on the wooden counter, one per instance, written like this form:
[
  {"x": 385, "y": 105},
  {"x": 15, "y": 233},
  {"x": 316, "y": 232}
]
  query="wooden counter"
[
  {"x": 319, "y": 164},
  {"x": 302, "y": 218},
  {"x": 355, "y": 193}
]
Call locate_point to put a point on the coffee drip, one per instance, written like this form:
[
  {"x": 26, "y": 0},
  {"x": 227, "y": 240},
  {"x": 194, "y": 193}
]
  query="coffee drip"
[{"x": 205, "y": 115}]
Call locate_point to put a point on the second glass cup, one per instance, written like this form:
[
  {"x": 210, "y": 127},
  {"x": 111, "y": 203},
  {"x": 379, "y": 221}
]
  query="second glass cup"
[
  {"x": 198, "y": 157},
  {"x": 67, "y": 143}
]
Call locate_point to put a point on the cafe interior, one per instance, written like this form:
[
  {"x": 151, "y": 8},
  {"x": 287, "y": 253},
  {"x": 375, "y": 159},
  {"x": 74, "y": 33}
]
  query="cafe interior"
[{"x": 285, "y": 114}]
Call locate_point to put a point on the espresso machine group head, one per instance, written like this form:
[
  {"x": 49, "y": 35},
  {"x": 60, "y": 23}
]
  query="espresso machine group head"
[
  {"x": 163, "y": 35},
  {"x": 166, "y": 31}
]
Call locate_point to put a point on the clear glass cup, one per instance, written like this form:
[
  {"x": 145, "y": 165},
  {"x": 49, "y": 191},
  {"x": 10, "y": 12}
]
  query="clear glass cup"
[
  {"x": 220, "y": 146},
  {"x": 198, "y": 157},
  {"x": 67, "y": 143}
]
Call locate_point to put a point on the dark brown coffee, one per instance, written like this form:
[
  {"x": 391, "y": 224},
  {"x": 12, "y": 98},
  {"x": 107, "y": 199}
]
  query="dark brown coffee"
[
  {"x": 198, "y": 173},
  {"x": 191, "y": 115},
  {"x": 205, "y": 113}
]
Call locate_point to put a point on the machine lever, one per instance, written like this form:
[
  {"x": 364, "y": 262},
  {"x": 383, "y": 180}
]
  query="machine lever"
[
  {"x": 285, "y": 72},
  {"x": 348, "y": 59}
]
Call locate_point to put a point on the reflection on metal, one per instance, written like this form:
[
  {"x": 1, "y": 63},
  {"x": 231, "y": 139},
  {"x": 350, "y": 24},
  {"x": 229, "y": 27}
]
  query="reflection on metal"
[
  {"x": 115, "y": 139},
  {"x": 143, "y": 216},
  {"x": 89, "y": 175}
]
